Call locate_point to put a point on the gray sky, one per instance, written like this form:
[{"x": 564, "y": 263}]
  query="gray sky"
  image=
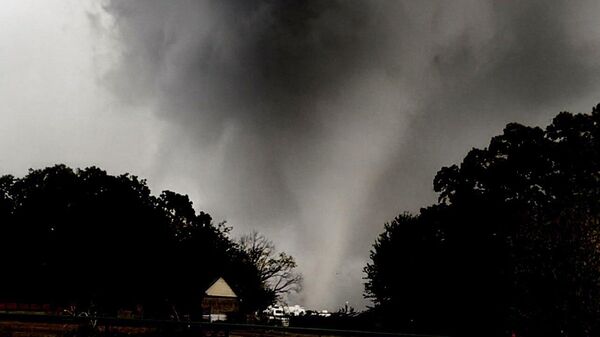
[{"x": 313, "y": 122}]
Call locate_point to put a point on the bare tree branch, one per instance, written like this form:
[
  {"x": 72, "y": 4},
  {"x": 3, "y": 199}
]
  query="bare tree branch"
[{"x": 276, "y": 269}]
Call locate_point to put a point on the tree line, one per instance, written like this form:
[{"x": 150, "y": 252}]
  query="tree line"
[
  {"x": 512, "y": 247},
  {"x": 89, "y": 239}
]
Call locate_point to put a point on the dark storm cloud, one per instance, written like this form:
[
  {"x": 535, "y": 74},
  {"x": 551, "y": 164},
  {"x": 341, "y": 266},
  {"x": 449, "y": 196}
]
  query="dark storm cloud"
[
  {"x": 265, "y": 62},
  {"x": 327, "y": 118}
]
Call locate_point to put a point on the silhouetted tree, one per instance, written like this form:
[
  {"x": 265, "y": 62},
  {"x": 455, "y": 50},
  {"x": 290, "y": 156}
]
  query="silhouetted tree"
[
  {"x": 89, "y": 238},
  {"x": 512, "y": 245},
  {"x": 276, "y": 269}
]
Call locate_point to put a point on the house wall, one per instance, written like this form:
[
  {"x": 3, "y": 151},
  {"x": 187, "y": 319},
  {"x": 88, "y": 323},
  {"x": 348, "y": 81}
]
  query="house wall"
[{"x": 219, "y": 305}]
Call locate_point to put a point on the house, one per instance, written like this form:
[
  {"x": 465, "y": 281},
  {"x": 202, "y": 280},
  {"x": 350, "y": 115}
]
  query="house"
[{"x": 219, "y": 302}]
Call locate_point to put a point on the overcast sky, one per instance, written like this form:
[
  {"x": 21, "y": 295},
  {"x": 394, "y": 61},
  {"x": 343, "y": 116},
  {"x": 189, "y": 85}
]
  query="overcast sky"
[{"x": 314, "y": 122}]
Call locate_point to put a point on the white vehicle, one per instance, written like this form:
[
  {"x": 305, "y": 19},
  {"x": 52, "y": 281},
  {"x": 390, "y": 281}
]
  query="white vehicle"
[
  {"x": 278, "y": 312},
  {"x": 274, "y": 311},
  {"x": 276, "y": 315}
]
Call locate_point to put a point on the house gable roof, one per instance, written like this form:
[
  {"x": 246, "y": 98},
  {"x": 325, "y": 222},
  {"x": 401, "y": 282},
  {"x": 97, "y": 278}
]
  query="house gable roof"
[{"x": 220, "y": 288}]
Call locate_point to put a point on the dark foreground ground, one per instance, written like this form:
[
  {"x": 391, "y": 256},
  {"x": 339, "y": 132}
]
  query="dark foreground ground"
[{"x": 40, "y": 326}]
